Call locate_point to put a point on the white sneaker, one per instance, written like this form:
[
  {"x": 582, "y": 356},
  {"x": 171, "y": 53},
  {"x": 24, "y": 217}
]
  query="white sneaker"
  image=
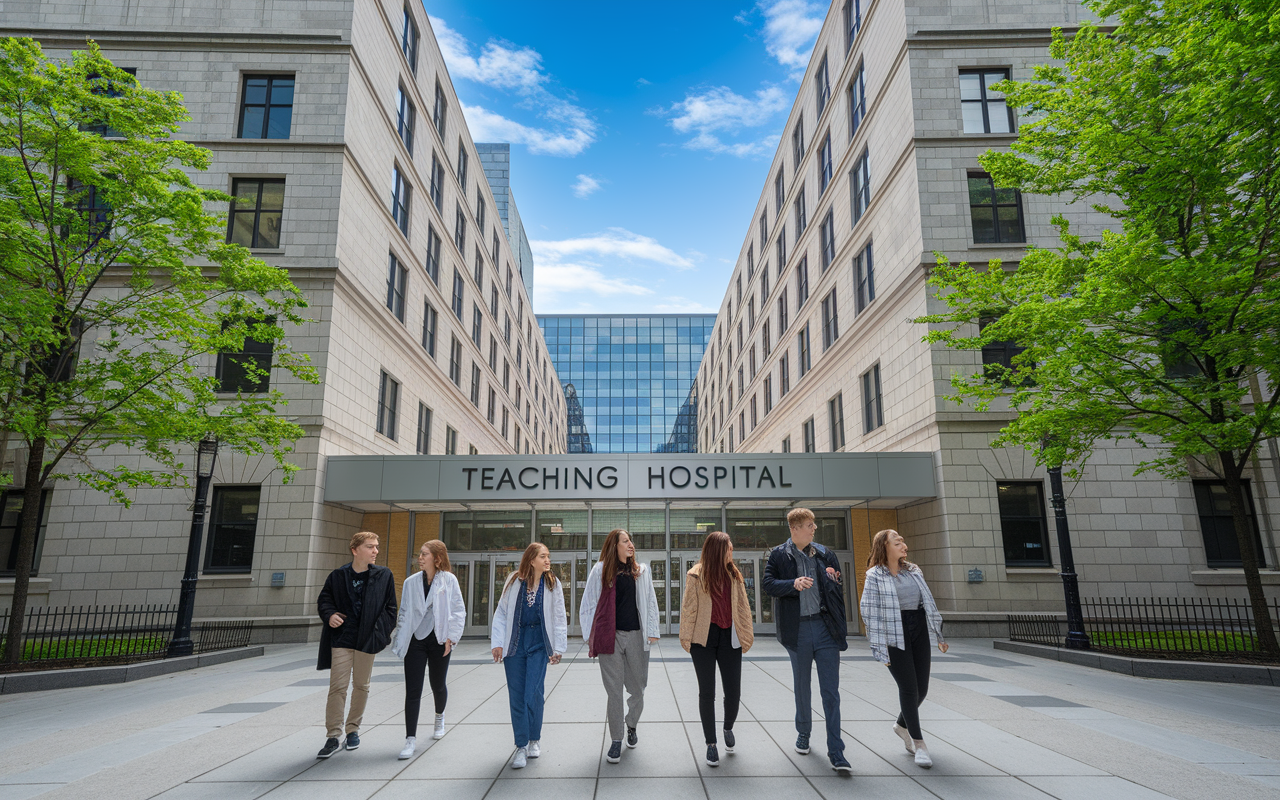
[
  {"x": 410, "y": 744},
  {"x": 922, "y": 758},
  {"x": 439, "y": 732},
  {"x": 535, "y": 749},
  {"x": 521, "y": 759},
  {"x": 905, "y": 736}
]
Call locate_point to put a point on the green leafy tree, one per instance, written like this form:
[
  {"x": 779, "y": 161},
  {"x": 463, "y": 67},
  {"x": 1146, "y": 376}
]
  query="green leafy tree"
[
  {"x": 117, "y": 286},
  {"x": 1155, "y": 332}
]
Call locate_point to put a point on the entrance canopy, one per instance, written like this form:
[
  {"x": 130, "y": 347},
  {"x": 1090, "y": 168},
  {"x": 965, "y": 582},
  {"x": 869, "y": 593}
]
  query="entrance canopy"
[{"x": 877, "y": 480}]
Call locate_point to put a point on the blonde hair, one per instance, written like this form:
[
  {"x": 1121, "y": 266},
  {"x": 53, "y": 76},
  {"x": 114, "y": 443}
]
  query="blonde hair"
[
  {"x": 360, "y": 538},
  {"x": 799, "y": 516},
  {"x": 880, "y": 550}
]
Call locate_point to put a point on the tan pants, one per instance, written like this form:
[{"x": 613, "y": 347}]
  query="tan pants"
[{"x": 354, "y": 667}]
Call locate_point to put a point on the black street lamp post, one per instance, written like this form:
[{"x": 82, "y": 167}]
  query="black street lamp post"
[
  {"x": 1077, "y": 639},
  {"x": 206, "y": 455}
]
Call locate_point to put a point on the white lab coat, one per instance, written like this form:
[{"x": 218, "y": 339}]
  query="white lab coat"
[
  {"x": 646, "y": 603},
  {"x": 554, "y": 618},
  {"x": 446, "y": 606}
]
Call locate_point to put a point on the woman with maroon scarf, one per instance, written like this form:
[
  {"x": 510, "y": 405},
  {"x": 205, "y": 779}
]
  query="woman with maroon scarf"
[{"x": 619, "y": 616}]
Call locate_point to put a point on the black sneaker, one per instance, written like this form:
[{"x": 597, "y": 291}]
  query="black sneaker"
[
  {"x": 729, "y": 741},
  {"x": 713, "y": 757},
  {"x": 802, "y": 744},
  {"x": 331, "y": 746},
  {"x": 353, "y": 740},
  {"x": 841, "y": 765},
  {"x": 615, "y": 753},
  {"x": 632, "y": 739}
]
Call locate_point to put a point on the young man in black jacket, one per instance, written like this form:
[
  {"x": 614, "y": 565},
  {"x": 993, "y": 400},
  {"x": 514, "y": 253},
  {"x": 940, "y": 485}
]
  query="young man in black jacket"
[
  {"x": 358, "y": 608},
  {"x": 809, "y": 613}
]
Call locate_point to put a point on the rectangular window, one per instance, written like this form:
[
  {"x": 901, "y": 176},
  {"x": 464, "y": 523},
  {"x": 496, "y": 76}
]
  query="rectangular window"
[
  {"x": 983, "y": 109},
  {"x": 493, "y": 355},
  {"x": 437, "y": 183},
  {"x": 782, "y": 313},
  {"x": 457, "y": 294},
  {"x": 872, "y": 403},
  {"x": 506, "y": 328},
  {"x": 781, "y": 245},
  {"x": 768, "y": 394},
  {"x": 1221, "y": 547},
  {"x": 493, "y": 300},
  {"x": 860, "y": 186},
  {"x": 492, "y": 413},
  {"x": 400, "y": 198},
  {"x": 827, "y": 239},
  {"x": 475, "y": 384},
  {"x": 764, "y": 232},
  {"x": 739, "y": 290},
  {"x": 830, "y": 321},
  {"x": 751, "y": 261},
  {"x": 797, "y": 142},
  {"x": 751, "y": 361},
  {"x": 996, "y": 213},
  {"x": 779, "y": 194},
  {"x": 517, "y": 439},
  {"x": 460, "y": 230},
  {"x": 495, "y": 251},
  {"x": 807, "y": 429},
  {"x": 477, "y": 325},
  {"x": 480, "y": 214},
  {"x": 406, "y": 118},
  {"x": 440, "y": 110},
  {"x": 248, "y": 371},
  {"x": 742, "y": 383},
  {"x": 450, "y": 441},
  {"x": 424, "y": 430},
  {"x": 1022, "y": 524},
  {"x": 433, "y": 255},
  {"x": 751, "y": 314},
  {"x": 256, "y": 212},
  {"x": 857, "y": 100},
  {"x": 388, "y": 402},
  {"x": 506, "y": 421},
  {"x": 825, "y": 165},
  {"x": 754, "y": 413},
  {"x": 822, "y": 86},
  {"x": 742, "y": 425},
  {"x": 508, "y": 280},
  {"x": 479, "y": 272},
  {"x": 506, "y": 376},
  {"x": 11, "y": 523},
  {"x": 764, "y": 285},
  {"x": 852, "y": 22},
  {"x": 998, "y": 356},
  {"x": 233, "y": 525},
  {"x": 802, "y": 218},
  {"x": 455, "y": 361},
  {"x": 804, "y": 361},
  {"x": 802, "y": 282},
  {"x": 739, "y": 336},
  {"x": 786, "y": 444},
  {"x": 409, "y": 41},
  {"x": 835, "y": 416},
  {"x": 397, "y": 278},
  {"x": 765, "y": 344},
  {"x": 266, "y": 107},
  {"x": 430, "y": 322},
  {"x": 864, "y": 280},
  {"x": 462, "y": 167}
]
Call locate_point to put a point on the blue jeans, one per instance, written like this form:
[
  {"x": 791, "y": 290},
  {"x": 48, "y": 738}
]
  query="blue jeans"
[
  {"x": 526, "y": 681},
  {"x": 815, "y": 645}
]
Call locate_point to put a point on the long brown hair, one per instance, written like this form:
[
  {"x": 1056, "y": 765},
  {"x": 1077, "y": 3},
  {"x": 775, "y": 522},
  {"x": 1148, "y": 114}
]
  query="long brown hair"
[
  {"x": 716, "y": 567},
  {"x": 439, "y": 553},
  {"x": 880, "y": 551},
  {"x": 525, "y": 572},
  {"x": 609, "y": 557}
]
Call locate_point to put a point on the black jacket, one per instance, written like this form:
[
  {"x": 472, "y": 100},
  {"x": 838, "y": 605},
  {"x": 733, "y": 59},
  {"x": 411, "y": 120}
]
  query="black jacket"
[
  {"x": 377, "y": 616},
  {"x": 780, "y": 573}
]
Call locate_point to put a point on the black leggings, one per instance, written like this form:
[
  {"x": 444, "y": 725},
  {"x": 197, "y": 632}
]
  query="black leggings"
[
  {"x": 910, "y": 668},
  {"x": 423, "y": 653},
  {"x": 719, "y": 650}
]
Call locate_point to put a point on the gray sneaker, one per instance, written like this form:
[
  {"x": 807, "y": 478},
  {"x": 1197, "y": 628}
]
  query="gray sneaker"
[{"x": 331, "y": 746}]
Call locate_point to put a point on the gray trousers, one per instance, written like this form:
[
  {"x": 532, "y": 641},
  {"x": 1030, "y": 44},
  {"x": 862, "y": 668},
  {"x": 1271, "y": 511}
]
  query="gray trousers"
[{"x": 627, "y": 665}]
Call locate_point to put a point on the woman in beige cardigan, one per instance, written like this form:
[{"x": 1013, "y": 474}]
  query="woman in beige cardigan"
[{"x": 715, "y": 628}]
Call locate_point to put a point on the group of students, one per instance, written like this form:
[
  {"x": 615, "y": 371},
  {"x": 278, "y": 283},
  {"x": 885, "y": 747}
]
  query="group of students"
[{"x": 619, "y": 619}]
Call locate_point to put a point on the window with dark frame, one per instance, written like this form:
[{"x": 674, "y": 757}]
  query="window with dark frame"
[
  {"x": 248, "y": 371},
  {"x": 807, "y": 429},
  {"x": 782, "y": 313},
  {"x": 401, "y": 193},
  {"x": 409, "y": 41},
  {"x": 830, "y": 321},
  {"x": 779, "y": 193},
  {"x": 872, "y": 401},
  {"x": 11, "y": 502},
  {"x": 824, "y": 164},
  {"x": 768, "y": 394},
  {"x": 450, "y": 441},
  {"x": 857, "y": 100},
  {"x": 1023, "y": 526},
  {"x": 423, "y": 443},
  {"x": 860, "y": 185},
  {"x": 998, "y": 356},
  {"x": 781, "y": 245},
  {"x": 1217, "y": 526},
  {"x": 835, "y": 417},
  {"x": 822, "y": 86},
  {"x": 797, "y": 142},
  {"x": 802, "y": 218},
  {"x": 751, "y": 261},
  {"x": 233, "y": 525},
  {"x": 786, "y": 444},
  {"x": 92, "y": 206},
  {"x": 493, "y": 354},
  {"x": 455, "y": 361},
  {"x": 479, "y": 271},
  {"x": 397, "y": 280},
  {"x": 266, "y": 107},
  {"x": 440, "y": 111},
  {"x": 480, "y": 215},
  {"x": 764, "y": 284},
  {"x": 406, "y": 118},
  {"x": 462, "y": 166},
  {"x": 477, "y": 325},
  {"x": 495, "y": 251},
  {"x": 475, "y": 384},
  {"x": 996, "y": 213},
  {"x": 460, "y": 230},
  {"x": 430, "y": 323},
  {"x": 984, "y": 110},
  {"x": 433, "y": 254},
  {"x": 492, "y": 409},
  {"x": 437, "y": 183},
  {"x": 766, "y": 344},
  {"x": 105, "y": 87},
  {"x": 802, "y": 282},
  {"x": 827, "y": 240},
  {"x": 804, "y": 359},
  {"x": 852, "y": 22},
  {"x": 388, "y": 404},
  {"x": 458, "y": 289},
  {"x": 257, "y": 210},
  {"x": 864, "y": 280},
  {"x": 493, "y": 300}
]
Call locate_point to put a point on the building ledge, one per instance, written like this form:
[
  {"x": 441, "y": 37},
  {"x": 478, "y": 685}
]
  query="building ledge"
[
  {"x": 1231, "y": 577},
  {"x": 36, "y": 586},
  {"x": 216, "y": 581},
  {"x": 1033, "y": 573}
]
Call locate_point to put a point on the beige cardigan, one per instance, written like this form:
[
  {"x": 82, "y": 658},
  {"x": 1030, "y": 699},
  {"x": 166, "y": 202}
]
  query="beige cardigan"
[{"x": 695, "y": 612}]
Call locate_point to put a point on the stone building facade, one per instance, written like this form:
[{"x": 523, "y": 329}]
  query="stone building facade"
[
  {"x": 814, "y": 347},
  {"x": 343, "y": 119}
]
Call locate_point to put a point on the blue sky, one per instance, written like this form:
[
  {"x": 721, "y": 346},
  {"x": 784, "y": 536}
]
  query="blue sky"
[{"x": 641, "y": 134}]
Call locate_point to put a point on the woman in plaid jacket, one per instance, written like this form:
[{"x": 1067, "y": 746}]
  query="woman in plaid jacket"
[{"x": 903, "y": 623}]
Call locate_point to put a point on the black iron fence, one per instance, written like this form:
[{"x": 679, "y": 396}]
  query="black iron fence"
[
  {"x": 79, "y": 636},
  {"x": 1157, "y": 627}
]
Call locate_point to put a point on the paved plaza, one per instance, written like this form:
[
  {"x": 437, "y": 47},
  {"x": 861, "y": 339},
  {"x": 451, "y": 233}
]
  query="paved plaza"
[{"x": 999, "y": 726}]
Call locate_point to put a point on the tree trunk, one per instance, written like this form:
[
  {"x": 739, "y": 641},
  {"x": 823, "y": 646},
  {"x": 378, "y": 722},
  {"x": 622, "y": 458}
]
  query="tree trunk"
[
  {"x": 1232, "y": 468},
  {"x": 30, "y": 527}
]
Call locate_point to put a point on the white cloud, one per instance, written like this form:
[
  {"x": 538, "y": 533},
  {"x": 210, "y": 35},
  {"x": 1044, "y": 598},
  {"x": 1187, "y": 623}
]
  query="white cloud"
[
  {"x": 682, "y": 305},
  {"x": 585, "y": 186},
  {"x": 515, "y": 70},
  {"x": 616, "y": 242},
  {"x": 717, "y": 111},
  {"x": 790, "y": 29},
  {"x": 575, "y": 278}
]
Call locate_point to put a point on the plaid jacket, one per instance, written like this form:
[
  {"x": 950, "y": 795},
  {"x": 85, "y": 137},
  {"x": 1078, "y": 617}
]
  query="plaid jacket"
[{"x": 883, "y": 615}]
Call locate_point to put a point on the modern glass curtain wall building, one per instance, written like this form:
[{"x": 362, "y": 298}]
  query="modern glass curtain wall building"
[{"x": 632, "y": 377}]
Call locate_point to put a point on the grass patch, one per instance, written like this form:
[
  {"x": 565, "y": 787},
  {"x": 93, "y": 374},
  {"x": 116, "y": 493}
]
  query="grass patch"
[
  {"x": 1177, "y": 641},
  {"x": 91, "y": 647}
]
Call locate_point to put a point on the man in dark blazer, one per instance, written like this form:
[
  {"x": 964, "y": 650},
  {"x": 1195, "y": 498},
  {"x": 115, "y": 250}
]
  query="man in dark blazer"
[
  {"x": 358, "y": 608},
  {"x": 809, "y": 613}
]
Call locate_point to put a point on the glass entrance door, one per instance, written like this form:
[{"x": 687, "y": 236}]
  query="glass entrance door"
[
  {"x": 656, "y": 561},
  {"x": 482, "y": 577}
]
